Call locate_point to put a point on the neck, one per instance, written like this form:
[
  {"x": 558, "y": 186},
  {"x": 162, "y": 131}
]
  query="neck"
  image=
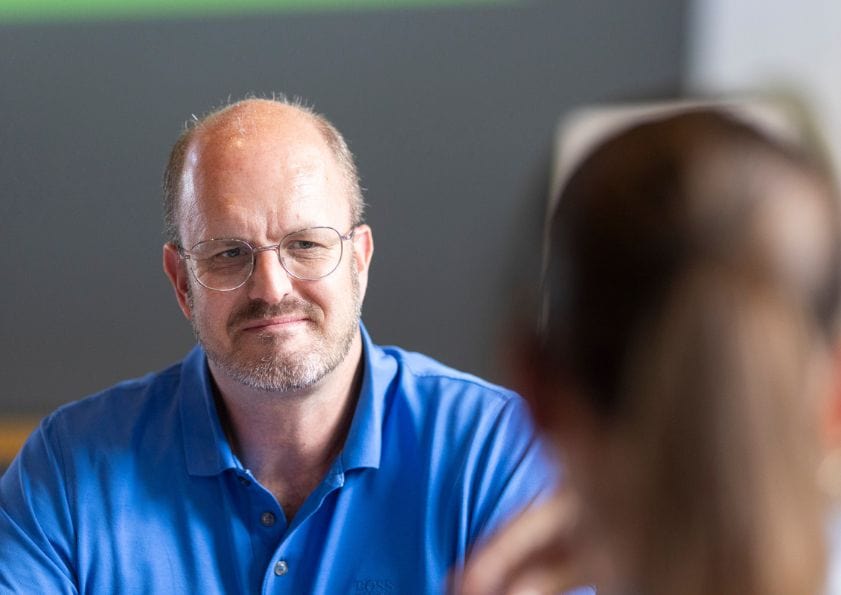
[{"x": 288, "y": 440}]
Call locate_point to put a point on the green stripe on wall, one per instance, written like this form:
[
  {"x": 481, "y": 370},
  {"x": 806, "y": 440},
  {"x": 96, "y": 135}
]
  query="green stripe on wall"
[{"x": 84, "y": 10}]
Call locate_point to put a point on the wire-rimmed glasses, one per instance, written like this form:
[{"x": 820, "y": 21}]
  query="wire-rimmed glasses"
[{"x": 225, "y": 264}]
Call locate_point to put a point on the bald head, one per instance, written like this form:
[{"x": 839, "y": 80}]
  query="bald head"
[{"x": 273, "y": 120}]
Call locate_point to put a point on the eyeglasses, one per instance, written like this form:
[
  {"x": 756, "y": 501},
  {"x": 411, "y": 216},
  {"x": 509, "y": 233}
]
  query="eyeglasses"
[{"x": 226, "y": 264}]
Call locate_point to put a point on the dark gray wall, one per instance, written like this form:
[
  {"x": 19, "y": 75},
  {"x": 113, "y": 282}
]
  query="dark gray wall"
[{"x": 449, "y": 111}]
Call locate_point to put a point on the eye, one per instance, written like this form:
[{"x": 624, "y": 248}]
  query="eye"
[
  {"x": 303, "y": 245},
  {"x": 222, "y": 252},
  {"x": 236, "y": 252},
  {"x": 317, "y": 244}
]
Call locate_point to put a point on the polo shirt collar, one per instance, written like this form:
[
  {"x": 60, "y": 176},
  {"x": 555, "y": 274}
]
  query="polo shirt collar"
[
  {"x": 363, "y": 446},
  {"x": 207, "y": 449}
]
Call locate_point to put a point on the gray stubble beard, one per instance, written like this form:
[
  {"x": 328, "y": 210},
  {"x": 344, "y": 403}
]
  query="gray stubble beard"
[{"x": 275, "y": 372}]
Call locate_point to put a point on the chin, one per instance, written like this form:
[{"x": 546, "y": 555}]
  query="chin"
[{"x": 282, "y": 374}]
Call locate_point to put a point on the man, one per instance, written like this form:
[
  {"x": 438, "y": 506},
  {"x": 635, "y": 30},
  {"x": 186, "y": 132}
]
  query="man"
[{"x": 287, "y": 453}]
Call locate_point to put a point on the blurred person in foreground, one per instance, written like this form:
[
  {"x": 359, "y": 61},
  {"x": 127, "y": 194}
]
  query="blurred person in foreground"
[
  {"x": 287, "y": 453},
  {"x": 687, "y": 370}
]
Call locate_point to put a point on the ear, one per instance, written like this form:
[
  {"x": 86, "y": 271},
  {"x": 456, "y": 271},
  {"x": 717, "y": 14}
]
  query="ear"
[
  {"x": 176, "y": 272},
  {"x": 363, "y": 250}
]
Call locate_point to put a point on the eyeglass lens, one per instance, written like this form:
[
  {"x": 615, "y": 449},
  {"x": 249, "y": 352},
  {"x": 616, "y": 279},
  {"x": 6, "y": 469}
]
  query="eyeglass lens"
[{"x": 307, "y": 254}]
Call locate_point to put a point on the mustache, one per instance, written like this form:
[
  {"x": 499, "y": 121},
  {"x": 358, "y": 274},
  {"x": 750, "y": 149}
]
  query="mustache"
[{"x": 259, "y": 310}]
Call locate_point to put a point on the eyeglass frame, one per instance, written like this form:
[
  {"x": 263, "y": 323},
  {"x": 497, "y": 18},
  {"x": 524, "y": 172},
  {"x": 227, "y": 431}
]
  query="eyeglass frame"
[{"x": 185, "y": 254}]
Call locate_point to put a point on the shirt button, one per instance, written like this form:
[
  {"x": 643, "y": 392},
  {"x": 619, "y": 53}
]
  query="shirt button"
[
  {"x": 244, "y": 481},
  {"x": 267, "y": 518},
  {"x": 281, "y": 568}
]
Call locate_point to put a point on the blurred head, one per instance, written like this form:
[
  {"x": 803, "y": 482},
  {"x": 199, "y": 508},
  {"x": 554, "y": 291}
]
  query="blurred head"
[
  {"x": 257, "y": 171},
  {"x": 691, "y": 311}
]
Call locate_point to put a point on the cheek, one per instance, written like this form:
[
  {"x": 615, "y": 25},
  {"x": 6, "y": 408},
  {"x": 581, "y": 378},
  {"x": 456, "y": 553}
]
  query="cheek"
[
  {"x": 326, "y": 298},
  {"x": 331, "y": 293},
  {"x": 208, "y": 310}
]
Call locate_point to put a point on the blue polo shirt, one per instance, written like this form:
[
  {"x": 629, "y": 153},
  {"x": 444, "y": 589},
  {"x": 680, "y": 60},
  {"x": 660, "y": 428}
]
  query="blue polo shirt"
[{"x": 136, "y": 490}]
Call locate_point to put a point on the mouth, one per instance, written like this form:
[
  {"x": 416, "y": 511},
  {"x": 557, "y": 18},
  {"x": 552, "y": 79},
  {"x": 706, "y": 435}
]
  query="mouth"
[{"x": 275, "y": 323}]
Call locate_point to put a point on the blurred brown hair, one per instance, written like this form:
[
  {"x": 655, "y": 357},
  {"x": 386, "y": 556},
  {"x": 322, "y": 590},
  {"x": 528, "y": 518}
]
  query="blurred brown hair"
[{"x": 692, "y": 289}]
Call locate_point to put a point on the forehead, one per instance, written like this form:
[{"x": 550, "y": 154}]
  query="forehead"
[{"x": 269, "y": 167}]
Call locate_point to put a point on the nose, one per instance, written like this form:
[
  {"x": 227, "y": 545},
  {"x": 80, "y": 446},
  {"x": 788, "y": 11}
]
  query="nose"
[{"x": 269, "y": 281}]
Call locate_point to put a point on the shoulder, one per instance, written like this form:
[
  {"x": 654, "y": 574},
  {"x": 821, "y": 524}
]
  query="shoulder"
[
  {"x": 87, "y": 443},
  {"x": 76, "y": 465},
  {"x": 433, "y": 380},
  {"x": 438, "y": 400},
  {"x": 474, "y": 439},
  {"x": 126, "y": 402},
  {"x": 111, "y": 420}
]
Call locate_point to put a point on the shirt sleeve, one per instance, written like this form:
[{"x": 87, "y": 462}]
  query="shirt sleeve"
[
  {"x": 514, "y": 469},
  {"x": 36, "y": 533}
]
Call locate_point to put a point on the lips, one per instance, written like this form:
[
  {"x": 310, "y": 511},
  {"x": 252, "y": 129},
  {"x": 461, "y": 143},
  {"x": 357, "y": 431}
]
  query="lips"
[
  {"x": 258, "y": 315},
  {"x": 273, "y": 322}
]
